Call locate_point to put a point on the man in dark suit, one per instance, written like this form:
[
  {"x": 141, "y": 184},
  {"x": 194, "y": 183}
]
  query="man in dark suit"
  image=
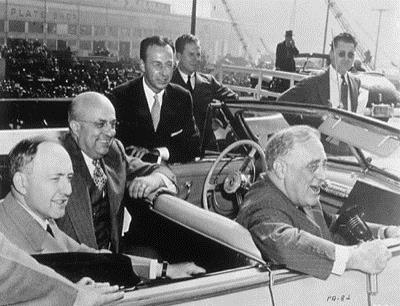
[
  {"x": 335, "y": 87},
  {"x": 285, "y": 53},
  {"x": 203, "y": 87},
  {"x": 156, "y": 116},
  {"x": 102, "y": 173},
  {"x": 283, "y": 213}
]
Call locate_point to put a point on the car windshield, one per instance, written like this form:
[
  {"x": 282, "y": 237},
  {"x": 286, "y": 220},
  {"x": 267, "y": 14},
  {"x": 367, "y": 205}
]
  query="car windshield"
[{"x": 344, "y": 139}]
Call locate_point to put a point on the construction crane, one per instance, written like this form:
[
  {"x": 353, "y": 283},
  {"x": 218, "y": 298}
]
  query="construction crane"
[
  {"x": 267, "y": 50},
  {"x": 238, "y": 32},
  {"x": 338, "y": 14}
]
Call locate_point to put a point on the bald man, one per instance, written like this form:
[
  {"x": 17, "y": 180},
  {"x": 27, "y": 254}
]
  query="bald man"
[{"x": 102, "y": 173}]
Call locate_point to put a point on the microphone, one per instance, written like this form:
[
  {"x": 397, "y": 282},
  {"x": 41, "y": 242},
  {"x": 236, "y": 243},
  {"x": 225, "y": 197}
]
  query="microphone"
[
  {"x": 352, "y": 227},
  {"x": 354, "y": 230}
]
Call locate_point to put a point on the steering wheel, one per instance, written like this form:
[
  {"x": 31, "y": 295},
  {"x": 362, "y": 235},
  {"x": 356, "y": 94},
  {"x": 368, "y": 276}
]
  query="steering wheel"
[{"x": 223, "y": 191}]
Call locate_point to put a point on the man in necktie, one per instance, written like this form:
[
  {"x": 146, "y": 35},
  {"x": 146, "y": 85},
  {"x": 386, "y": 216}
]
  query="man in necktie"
[
  {"x": 203, "y": 86},
  {"x": 156, "y": 117},
  {"x": 284, "y": 215},
  {"x": 343, "y": 92},
  {"x": 42, "y": 172},
  {"x": 155, "y": 111},
  {"x": 94, "y": 215},
  {"x": 335, "y": 87}
]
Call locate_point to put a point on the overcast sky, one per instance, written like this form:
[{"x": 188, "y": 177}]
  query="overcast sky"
[{"x": 270, "y": 18}]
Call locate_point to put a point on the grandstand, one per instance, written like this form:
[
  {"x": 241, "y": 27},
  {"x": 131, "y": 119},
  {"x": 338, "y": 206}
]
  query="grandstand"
[{"x": 87, "y": 26}]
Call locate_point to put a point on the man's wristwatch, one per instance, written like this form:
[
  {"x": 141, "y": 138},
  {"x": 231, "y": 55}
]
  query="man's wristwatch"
[{"x": 164, "y": 269}]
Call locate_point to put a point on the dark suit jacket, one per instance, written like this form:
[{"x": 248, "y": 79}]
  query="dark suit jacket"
[
  {"x": 26, "y": 233},
  {"x": 25, "y": 281},
  {"x": 176, "y": 130},
  {"x": 285, "y": 57},
  {"x": 286, "y": 235},
  {"x": 78, "y": 221},
  {"x": 205, "y": 90},
  {"x": 316, "y": 90}
]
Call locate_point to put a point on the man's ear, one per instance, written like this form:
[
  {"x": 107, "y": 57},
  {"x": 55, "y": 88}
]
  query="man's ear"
[
  {"x": 178, "y": 56},
  {"x": 20, "y": 182},
  {"x": 280, "y": 168},
  {"x": 141, "y": 65},
  {"x": 74, "y": 127}
]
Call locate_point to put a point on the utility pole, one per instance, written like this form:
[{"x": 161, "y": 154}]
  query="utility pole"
[
  {"x": 6, "y": 24},
  {"x": 193, "y": 24},
  {"x": 377, "y": 35}
]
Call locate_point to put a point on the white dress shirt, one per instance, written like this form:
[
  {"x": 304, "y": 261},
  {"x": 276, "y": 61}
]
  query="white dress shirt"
[{"x": 149, "y": 93}]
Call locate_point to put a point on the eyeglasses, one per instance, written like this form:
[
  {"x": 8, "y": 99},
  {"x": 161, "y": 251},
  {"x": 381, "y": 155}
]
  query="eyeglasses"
[
  {"x": 101, "y": 124},
  {"x": 343, "y": 54},
  {"x": 315, "y": 165}
]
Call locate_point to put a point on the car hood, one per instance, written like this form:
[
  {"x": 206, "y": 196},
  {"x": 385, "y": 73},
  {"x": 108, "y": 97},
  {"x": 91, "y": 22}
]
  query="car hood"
[{"x": 209, "y": 224}]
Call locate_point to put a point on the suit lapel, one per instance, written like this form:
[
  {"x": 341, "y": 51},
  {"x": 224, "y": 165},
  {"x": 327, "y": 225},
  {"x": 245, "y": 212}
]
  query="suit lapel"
[
  {"x": 324, "y": 89},
  {"x": 39, "y": 240},
  {"x": 79, "y": 207},
  {"x": 353, "y": 94}
]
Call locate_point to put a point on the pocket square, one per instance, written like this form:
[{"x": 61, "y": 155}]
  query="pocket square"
[{"x": 176, "y": 133}]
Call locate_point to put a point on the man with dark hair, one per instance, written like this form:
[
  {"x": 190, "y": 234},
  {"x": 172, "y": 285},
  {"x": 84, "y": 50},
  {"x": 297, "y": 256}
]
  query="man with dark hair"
[
  {"x": 284, "y": 215},
  {"x": 335, "y": 87},
  {"x": 41, "y": 172},
  {"x": 156, "y": 116},
  {"x": 285, "y": 52},
  {"x": 203, "y": 87}
]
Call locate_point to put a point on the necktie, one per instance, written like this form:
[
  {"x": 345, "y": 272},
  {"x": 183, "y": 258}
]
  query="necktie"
[
  {"x": 343, "y": 93},
  {"x": 99, "y": 177},
  {"x": 155, "y": 111},
  {"x": 48, "y": 229},
  {"x": 189, "y": 84}
]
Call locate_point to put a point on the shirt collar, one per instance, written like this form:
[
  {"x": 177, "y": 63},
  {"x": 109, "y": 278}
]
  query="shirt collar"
[
  {"x": 150, "y": 94},
  {"x": 42, "y": 222},
  {"x": 185, "y": 75},
  {"x": 89, "y": 163},
  {"x": 335, "y": 75}
]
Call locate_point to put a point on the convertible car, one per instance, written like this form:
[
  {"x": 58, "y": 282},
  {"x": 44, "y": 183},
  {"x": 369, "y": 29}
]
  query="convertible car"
[{"x": 199, "y": 224}]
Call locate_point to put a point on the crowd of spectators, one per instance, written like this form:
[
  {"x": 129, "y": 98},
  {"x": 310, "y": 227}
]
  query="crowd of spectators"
[{"x": 32, "y": 70}]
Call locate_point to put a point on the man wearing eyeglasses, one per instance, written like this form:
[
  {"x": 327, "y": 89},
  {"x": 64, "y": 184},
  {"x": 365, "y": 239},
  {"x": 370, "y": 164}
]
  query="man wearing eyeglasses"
[
  {"x": 335, "y": 87},
  {"x": 284, "y": 215},
  {"x": 102, "y": 173}
]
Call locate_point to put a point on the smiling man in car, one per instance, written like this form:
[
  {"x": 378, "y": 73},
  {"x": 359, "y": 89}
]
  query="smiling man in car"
[{"x": 284, "y": 216}]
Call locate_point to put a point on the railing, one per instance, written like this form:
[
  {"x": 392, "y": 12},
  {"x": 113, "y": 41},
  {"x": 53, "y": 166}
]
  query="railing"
[{"x": 257, "y": 92}]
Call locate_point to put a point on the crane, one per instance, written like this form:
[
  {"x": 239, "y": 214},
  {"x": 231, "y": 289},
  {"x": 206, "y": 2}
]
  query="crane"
[
  {"x": 267, "y": 50},
  {"x": 338, "y": 14},
  {"x": 238, "y": 31}
]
